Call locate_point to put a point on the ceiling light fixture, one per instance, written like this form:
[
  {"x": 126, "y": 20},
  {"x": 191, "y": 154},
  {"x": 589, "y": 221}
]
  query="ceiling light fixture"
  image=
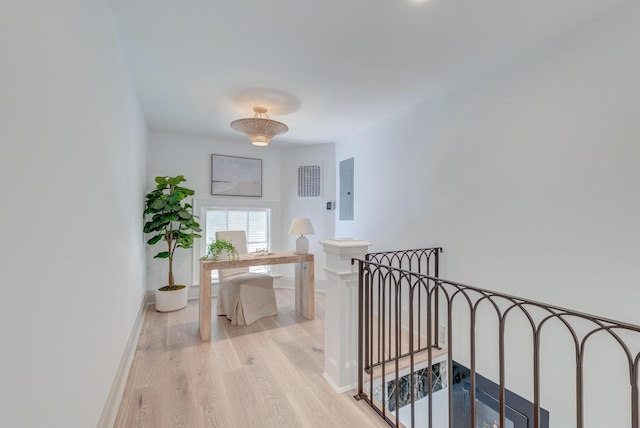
[{"x": 259, "y": 129}]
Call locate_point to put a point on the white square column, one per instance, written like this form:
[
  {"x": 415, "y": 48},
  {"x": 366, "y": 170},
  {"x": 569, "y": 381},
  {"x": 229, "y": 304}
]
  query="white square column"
[{"x": 341, "y": 312}]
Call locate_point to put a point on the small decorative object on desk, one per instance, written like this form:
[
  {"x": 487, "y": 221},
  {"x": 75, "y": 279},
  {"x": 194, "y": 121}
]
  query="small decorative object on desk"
[
  {"x": 261, "y": 252},
  {"x": 217, "y": 247}
]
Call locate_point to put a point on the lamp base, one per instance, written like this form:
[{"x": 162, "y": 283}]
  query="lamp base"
[{"x": 302, "y": 245}]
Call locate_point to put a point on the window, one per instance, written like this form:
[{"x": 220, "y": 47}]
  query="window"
[
  {"x": 254, "y": 222},
  {"x": 256, "y": 218}
]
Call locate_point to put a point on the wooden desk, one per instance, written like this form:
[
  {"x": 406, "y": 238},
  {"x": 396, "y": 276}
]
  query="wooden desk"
[{"x": 304, "y": 282}]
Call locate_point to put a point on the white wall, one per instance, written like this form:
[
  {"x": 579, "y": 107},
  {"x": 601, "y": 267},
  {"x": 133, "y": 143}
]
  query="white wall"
[
  {"x": 173, "y": 154},
  {"x": 72, "y": 161},
  {"x": 323, "y": 220},
  {"x": 527, "y": 177}
]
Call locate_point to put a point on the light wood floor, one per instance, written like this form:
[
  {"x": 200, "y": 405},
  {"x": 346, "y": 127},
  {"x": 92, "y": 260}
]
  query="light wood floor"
[{"x": 268, "y": 374}]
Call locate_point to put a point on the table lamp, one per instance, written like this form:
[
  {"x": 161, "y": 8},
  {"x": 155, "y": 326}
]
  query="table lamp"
[{"x": 301, "y": 226}]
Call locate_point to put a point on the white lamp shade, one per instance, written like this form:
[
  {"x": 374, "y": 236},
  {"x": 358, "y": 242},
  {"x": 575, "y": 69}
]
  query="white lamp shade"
[{"x": 301, "y": 226}]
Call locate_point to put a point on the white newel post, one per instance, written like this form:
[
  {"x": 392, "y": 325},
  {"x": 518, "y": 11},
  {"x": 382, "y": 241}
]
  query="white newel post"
[{"x": 341, "y": 312}]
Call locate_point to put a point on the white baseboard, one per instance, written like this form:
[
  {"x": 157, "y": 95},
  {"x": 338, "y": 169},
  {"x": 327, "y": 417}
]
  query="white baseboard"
[
  {"x": 110, "y": 410},
  {"x": 336, "y": 388}
]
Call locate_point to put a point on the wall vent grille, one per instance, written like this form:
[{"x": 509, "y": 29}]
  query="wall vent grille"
[{"x": 309, "y": 181}]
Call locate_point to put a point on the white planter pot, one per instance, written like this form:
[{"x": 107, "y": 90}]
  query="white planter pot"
[{"x": 167, "y": 301}]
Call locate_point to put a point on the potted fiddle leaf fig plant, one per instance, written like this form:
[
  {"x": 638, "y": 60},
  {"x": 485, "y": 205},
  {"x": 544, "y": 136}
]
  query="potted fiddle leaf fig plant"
[{"x": 170, "y": 218}]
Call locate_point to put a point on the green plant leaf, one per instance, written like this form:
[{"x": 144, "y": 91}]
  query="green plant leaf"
[
  {"x": 155, "y": 239},
  {"x": 158, "y": 204},
  {"x": 185, "y": 215}
]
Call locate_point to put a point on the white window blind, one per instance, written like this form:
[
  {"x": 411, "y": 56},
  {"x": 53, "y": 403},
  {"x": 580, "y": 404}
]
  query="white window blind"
[{"x": 254, "y": 222}]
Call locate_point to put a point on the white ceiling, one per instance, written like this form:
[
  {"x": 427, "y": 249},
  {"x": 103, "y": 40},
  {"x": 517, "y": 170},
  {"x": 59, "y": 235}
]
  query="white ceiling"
[{"x": 325, "y": 68}]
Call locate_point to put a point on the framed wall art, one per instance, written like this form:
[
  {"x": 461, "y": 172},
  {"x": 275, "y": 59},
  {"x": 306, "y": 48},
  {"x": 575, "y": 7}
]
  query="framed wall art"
[{"x": 236, "y": 176}]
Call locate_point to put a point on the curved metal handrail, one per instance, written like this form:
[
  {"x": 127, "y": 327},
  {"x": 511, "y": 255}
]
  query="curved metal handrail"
[{"x": 392, "y": 283}]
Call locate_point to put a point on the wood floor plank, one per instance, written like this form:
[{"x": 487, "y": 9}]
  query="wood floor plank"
[
  {"x": 267, "y": 374},
  {"x": 216, "y": 415},
  {"x": 305, "y": 404}
]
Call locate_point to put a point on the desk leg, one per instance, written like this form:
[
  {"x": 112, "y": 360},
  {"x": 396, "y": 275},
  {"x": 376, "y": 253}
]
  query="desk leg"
[
  {"x": 305, "y": 289},
  {"x": 205, "y": 305}
]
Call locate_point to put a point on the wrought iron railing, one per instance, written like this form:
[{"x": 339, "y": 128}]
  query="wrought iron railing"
[{"x": 417, "y": 332}]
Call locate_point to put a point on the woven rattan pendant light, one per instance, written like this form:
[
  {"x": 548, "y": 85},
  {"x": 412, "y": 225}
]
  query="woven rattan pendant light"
[{"x": 259, "y": 129}]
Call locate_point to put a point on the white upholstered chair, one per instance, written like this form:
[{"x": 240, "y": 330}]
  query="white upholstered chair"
[{"x": 244, "y": 296}]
